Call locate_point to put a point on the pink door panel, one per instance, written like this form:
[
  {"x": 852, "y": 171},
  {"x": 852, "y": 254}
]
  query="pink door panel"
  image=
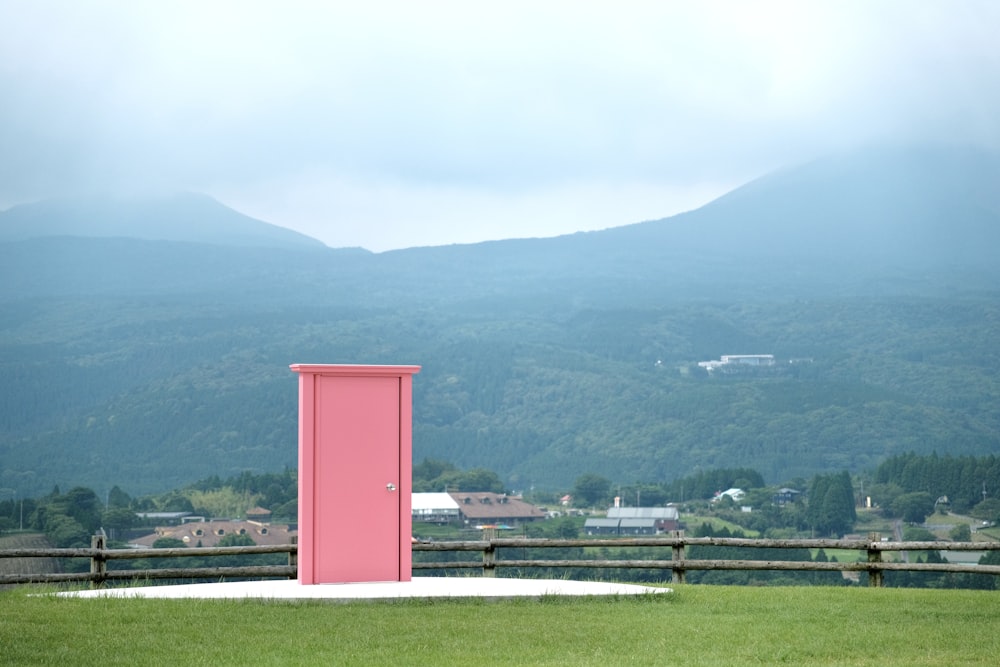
[
  {"x": 355, "y": 469},
  {"x": 356, "y": 519}
]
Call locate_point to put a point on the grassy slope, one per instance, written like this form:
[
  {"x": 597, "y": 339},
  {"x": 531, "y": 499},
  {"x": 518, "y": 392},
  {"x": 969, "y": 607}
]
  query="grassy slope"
[{"x": 697, "y": 625}]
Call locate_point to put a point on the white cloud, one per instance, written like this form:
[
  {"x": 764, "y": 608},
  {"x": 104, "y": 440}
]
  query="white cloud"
[
  {"x": 460, "y": 117},
  {"x": 382, "y": 215}
]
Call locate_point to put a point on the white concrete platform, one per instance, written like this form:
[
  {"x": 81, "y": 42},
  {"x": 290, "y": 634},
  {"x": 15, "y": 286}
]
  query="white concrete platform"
[{"x": 419, "y": 587}]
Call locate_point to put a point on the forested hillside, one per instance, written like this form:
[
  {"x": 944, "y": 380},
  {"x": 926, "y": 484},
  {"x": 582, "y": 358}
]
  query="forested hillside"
[{"x": 149, "y": 364}]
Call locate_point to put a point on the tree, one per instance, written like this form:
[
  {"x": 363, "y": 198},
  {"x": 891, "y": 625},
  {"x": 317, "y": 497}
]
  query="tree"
[
  {"x": 168, "y": 543},
  {"x": 176, "y": 502},
  {"x": 160, "y": 563},
  {"x": 884, "y": 494},
  {"x": 83, "y": 505},
  {"x": 119, "y": 518},
  {"x": 118, "y": 498},
  {"x": 961, "y": 533},
  {"x": 918, "y": 534},
  {"x": 65, "y": 531},
  {"x": 234, "y": 540},
  {"x": 429, "y": 470},
  {"x": 433, "y": 475},
  {"x": 987, "y": 510},
  {"x": 477, "y": 479},
  {"x": 591, "y": 489},
  {"x": 831, "y": 504},
  {"x": 914, "y": 507}
]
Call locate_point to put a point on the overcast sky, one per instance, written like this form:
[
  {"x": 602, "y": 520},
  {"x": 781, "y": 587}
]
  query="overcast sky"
[{"x": 398, "y": 124}]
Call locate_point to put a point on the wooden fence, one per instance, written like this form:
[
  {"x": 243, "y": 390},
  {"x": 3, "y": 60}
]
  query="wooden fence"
[
  {"x": 870, "y": 558},
  {"x": 870, "y": 551}
]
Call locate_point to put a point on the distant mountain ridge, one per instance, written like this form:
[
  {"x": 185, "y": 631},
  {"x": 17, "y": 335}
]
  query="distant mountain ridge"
[
  {"x": 152, "y": 363},
  {"x": 186, "y": 217},
  {"x": 848, "y": 220},
  {"x": 934, "y": 205}
]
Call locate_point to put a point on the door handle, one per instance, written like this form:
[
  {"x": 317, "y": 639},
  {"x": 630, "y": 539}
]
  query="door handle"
[{"x": 390, "y": 487}]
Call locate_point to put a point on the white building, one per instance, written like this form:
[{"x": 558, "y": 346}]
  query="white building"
[
  {"x": 739, "y": 360},
  {"x": 433, "y": 507}
]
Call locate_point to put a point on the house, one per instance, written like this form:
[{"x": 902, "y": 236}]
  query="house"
[
  {"x": 438, "y": 508},
  {"x": 634, "y": 521},
  {"x": 736, "y": 495},
  {"x": 748, "y": 359},
  {"x": 732, "y": 360},
  {"x": 484, "y": 507},
  {"x": 785, "y": 495},
  {"x": 209, "y": 533},
  {"x": 601, "y": 527}
]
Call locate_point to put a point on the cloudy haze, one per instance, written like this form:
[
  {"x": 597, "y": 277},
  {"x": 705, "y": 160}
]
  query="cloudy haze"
[{"x": 397, "y": 124}]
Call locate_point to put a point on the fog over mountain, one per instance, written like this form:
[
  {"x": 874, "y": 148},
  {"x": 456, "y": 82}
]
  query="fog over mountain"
[
  {"x": 189, "y": 217},
  {"x": 391, "y": 125},
  {"x": 150, "y": 347}
]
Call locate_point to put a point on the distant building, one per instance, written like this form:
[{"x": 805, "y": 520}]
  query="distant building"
[
  {"x": 209, "y": 533},
  {"x": 433, "y": 508},
  {"x": 483, "y": 507},
  {"x": 634, "y": 521},
  {"x": 735, "y": 494},
  {"x": 738, "y": 360},
  {"x": 785, "y": 496}
]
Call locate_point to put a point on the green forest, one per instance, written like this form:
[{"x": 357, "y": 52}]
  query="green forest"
[{"x": 156, "y": 394}]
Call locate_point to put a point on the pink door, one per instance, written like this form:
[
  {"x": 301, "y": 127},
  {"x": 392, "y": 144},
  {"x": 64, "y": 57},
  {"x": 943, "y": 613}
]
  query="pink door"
[
  {"x": 357, "y": 479},
  {"x": 355, "y": 469}
]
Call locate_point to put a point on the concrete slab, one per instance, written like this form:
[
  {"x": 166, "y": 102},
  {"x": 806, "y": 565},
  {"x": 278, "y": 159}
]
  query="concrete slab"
[{"x": 419, "y": 587}]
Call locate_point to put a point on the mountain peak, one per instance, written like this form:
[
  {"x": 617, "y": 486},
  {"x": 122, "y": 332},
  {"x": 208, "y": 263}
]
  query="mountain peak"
[
  {"x": 189, "y": 217},
  {"x": 891, "y": 204}
]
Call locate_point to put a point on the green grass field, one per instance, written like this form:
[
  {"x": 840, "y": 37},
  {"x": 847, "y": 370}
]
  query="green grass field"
[{"x": 696, "y": 625}]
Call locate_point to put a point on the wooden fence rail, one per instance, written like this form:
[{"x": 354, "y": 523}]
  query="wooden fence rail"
[
  {"x": 870, "y": 551},
  {"x": 678, "y": 565}
]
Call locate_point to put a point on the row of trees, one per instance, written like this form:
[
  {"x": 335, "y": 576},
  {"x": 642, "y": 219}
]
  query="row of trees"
[
  {"x": 432, "y": 475},
  {"x": 904, "y": 487},
  {"x": 69, "y": 519},
  {"x": 970, "y": 484}
]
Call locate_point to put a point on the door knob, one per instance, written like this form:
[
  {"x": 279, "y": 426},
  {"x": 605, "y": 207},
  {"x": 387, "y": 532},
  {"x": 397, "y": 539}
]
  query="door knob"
[{"x": 390, "y": 487}]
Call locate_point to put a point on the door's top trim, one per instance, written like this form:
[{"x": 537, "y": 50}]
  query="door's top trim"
[{"x": 354, "y": 369}]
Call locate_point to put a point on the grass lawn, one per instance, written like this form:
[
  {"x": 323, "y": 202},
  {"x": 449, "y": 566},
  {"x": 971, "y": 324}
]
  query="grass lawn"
[
  {"x": 696, "y": 625},
  {"x": 693, "y": 521}
]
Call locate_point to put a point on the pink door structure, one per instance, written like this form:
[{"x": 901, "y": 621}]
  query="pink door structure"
[{"x": 355, "y": 472}]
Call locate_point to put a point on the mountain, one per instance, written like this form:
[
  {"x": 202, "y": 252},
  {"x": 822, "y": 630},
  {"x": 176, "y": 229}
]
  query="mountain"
[
  {"x": 875, "y": 219},
  {"x": 186, "y": 217},
  {"x": 905, "y": 206},
  {"x": 870, "y": 277}
]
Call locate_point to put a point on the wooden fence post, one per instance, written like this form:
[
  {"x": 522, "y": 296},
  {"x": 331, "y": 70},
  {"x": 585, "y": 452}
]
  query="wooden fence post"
[
  {"x": 677, "y": 555},
  {"x": 489, "y": 553},
  {"x": 293, "y": 557},
  {"x": 875, "y": 577},
  {"x": 98, "y": 564}
]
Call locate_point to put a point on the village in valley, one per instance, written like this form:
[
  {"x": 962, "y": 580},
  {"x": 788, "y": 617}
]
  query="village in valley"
[
  {"x": 462, "y": 511},
  {"x": 434, "y": 515}
]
